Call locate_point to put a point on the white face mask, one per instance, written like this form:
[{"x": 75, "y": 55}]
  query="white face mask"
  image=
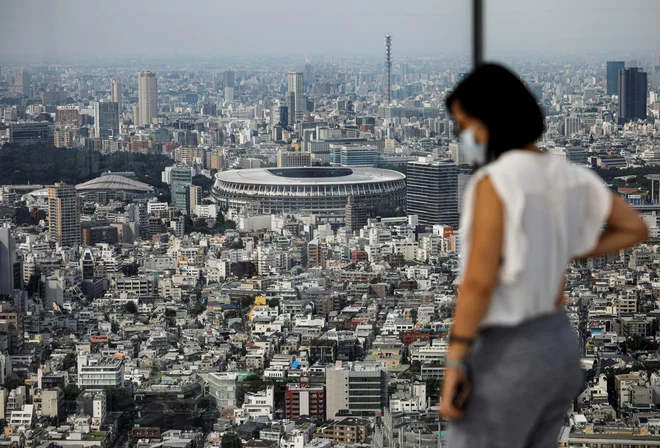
[{"x": 474, "y": 151}]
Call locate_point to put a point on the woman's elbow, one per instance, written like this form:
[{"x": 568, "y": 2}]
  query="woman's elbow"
[{"x": 478, "y": 287}]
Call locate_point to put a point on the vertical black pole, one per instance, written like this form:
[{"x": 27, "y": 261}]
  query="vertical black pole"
[{"x": 477, "y": 32}]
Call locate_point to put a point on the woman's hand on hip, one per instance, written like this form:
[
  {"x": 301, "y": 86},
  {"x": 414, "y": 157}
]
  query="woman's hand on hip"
[{"x": 453, "y": 379}]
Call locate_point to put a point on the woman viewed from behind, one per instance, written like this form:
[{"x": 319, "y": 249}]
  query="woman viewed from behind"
[{"x": 526, "y": 216}]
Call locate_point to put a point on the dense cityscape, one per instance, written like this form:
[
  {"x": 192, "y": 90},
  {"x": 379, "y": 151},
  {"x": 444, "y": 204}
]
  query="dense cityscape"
[{"x": 261, "y": 252}]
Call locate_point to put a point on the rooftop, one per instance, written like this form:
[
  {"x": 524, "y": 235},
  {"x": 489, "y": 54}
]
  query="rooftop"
[
  {"x": 110, "y": 181},
  {"x": 309, "y": 176}
]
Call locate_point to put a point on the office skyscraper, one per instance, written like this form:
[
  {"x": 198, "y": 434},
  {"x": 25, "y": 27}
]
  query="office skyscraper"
[
  {"x": 64, "y": 215},
  {"x": 106, "y": 119},
  {"x": 632, "y": 94},
  {"x": 295, "y": 86},
  {"x": 24, "y": 83},
  {"x": 179, "y": 190},
  {"x": 117, "y": 93},
  {"x": 433, "y": 191},
  {"x": 229, "y": 94},
  {"x": 283, "y": 115},
  {"x": 308, "y": 73},
  {"x": 290, "y": 100},
  {"x": 229, "y": 84},
  {"x": 279, "y": 114},
  {"x": 228, "y": 79},
  {"x": 8, "y": 263},
  {"x": 147, "y": 98},
  {"x": 655, "y": 72},
  {"x": 613, "y": 68}
]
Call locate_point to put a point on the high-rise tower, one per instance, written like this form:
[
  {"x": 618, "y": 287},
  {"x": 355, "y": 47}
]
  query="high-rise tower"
[
  {"x": 179, "y": 190},
  {"x": 388, "y": 68},
  {"x": 24, "y": 83},
  {"x": 106, "y": 119},
  {"x": 64, "y": 215},
  {"x": 655, "y": 72},
  {"x": 291, "y": 108},
  {"x": 632, "y": 94},
  {"x": 117, "y": 93},
  {"x": 433, "y": 191},
  {"x": 228, "y": 78},
  {"x": 147, "y": 97},
  {"x": 229, "y": 83},
  {"x": 8, "y": 263},
  {"x": 613, "y": 68},
  {"x": 295, "y": 87}
]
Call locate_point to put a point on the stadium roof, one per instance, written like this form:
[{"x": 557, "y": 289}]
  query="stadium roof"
[
  {"x": 114, "y": 182},
  {"x": 309, "y": 176}
]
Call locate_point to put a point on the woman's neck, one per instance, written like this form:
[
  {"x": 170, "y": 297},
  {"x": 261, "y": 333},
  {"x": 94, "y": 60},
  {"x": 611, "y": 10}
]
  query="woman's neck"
[{"x": 531, "y": 147}]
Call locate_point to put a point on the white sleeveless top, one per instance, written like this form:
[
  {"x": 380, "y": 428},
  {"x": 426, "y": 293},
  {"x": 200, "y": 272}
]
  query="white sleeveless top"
[{"x": 554, "y": 211}]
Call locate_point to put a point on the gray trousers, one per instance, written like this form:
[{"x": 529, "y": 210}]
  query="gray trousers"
[{"x": 524, "y": 379}]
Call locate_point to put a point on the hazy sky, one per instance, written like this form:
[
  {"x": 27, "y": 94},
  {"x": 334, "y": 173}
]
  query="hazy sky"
[{"x": 340, "y": 27}]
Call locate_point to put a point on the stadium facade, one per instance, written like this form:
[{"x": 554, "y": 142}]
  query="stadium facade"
[{"x": 319, "y": 190}]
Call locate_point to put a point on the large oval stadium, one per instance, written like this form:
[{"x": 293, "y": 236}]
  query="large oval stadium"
[{"x": 307, "y": 189}]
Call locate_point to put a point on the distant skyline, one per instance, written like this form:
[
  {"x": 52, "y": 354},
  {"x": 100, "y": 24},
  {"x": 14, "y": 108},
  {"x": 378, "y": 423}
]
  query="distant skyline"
[{"x": 52, "y": 28}]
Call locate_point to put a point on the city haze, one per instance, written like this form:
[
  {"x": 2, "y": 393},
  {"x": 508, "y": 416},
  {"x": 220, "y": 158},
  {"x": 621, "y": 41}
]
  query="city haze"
[
  {"x": 244, "y": 224},
  {"x": 342, "y": 28}
]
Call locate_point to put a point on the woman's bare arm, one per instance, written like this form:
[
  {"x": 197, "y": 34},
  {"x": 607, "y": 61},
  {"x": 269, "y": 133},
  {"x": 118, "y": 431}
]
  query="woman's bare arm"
[
  {"x": 625, "y": 228},
  {"x": 483, "y": 265}
]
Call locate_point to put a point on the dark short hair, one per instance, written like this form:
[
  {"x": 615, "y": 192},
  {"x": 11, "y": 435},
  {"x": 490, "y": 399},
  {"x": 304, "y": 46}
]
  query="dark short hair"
[{"x": 498, "y": 98}]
